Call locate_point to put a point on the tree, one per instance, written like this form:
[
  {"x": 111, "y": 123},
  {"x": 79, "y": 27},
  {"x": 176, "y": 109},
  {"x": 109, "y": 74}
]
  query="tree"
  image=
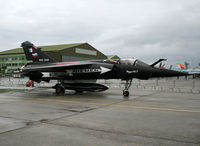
[{"x": 3, "y": 69}]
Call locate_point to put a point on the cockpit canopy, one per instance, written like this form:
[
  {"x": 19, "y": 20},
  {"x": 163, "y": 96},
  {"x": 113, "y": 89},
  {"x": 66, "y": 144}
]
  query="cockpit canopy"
[
  {"x": 128, "y": 62},
  {"x": 131, "y": 62}
]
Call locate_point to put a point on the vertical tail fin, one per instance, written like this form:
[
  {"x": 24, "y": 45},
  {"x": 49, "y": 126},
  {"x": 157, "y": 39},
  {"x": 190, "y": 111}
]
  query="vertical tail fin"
[
  {"x": 187, "y": 65},
  {"x": 35, "y": 54},
  {"x": 170, "y": 67}
]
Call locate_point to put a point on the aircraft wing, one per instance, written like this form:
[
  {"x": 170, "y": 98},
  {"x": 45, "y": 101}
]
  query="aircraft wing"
[{"x": 59, "y": 66}]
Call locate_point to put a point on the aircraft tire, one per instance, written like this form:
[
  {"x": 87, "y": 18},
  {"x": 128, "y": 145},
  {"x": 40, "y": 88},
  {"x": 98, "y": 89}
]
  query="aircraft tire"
[
  {"x": 126, "y": 93},
  {"x": 60, "y": 90}
]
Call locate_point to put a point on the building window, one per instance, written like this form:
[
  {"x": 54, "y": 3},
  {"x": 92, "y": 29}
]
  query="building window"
[
  {"x": 14, "y": 64},
  {"x": 85, "y": 51}
]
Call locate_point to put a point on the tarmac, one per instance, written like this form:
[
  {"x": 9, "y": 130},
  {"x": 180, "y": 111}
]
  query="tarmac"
[{"x": 37, "y": 117}]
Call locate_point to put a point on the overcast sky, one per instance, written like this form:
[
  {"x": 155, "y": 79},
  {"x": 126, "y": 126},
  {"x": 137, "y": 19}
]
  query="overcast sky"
[{"x": 144, "y": 29}]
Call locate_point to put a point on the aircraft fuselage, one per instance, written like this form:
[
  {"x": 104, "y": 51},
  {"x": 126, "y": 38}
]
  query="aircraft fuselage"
[{"x": 118, "y": 69}]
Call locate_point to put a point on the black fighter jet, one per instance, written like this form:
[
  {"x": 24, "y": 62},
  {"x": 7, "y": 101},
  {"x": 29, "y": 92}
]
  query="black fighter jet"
[{"x": 82, "y": 75}]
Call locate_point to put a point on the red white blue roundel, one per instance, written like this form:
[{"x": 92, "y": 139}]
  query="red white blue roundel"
[{"x": 35, "y": 55}]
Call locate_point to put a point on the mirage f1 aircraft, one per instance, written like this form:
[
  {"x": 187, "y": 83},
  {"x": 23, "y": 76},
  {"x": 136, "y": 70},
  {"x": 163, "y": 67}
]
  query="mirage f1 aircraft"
[{"x": 82, "y": 75}]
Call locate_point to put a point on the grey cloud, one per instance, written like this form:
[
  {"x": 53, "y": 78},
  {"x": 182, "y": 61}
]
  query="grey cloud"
[
  {"x": 174, "y": 35},
  {"x": 130, "y": 28}
]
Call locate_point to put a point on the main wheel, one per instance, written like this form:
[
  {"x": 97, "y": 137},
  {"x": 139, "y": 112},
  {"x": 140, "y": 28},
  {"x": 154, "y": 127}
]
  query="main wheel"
[
  {"x": 60, "y": 90},
  {"x": 126, "y": 93}
]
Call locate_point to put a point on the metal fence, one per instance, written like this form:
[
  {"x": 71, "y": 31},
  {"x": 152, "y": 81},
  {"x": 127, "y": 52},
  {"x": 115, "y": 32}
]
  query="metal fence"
[
  {"x": 164, "y": 84},
  {"x": 181, "y": 85}
]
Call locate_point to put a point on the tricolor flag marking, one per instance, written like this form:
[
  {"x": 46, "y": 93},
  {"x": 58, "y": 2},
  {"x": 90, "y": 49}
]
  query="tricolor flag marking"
[{"x": 30, "y": 50}]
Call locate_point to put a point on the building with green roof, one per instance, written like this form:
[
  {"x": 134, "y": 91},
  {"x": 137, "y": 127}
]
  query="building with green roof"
[{"x": 11, "y": 60}]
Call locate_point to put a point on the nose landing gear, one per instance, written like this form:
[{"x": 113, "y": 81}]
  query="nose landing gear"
[{"x": 127, "y": 86}]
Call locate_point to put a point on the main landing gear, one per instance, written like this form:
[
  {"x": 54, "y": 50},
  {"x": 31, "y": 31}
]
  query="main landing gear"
[
  {"x": 127, "y": 86},
  {"x": 60, "y": 89}
]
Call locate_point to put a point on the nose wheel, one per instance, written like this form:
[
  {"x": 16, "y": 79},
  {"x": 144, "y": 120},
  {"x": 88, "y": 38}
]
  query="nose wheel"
[
  {"x": 126, "y": 93},
  {"x": 127, "y": 86}
]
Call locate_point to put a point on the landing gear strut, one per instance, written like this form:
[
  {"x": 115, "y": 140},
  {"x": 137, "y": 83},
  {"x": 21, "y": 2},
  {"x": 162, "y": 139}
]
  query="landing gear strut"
[
  {"x": 60, "y": 90},
  {"x": 127, "y": 86}
]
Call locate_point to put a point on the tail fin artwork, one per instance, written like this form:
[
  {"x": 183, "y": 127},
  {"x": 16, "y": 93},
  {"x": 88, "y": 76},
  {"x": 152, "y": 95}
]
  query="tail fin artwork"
[
  {"x": 35, "y": 54},
  {"x": 181, "y": 66}
]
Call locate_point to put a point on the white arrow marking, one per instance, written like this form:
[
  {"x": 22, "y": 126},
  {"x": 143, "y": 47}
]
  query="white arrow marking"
[
  {"x": 131, "y": 72},
  {"x": 104, "y": 70}
]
